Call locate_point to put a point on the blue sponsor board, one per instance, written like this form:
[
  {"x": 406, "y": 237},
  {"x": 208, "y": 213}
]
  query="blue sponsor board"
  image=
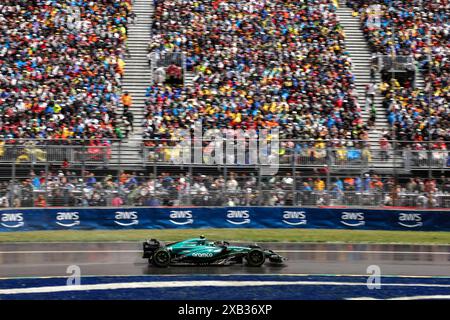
[{"x": 228, "y": 217}]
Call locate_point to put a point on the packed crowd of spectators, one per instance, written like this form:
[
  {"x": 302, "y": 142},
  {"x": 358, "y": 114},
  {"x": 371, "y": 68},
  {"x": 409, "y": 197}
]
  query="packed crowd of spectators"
[
  {"x": 258, "y": 64},
  {"x": 64, "y": 187},
  {"x": 421, "y": 29},
  {"x": 61, "y": 67}
]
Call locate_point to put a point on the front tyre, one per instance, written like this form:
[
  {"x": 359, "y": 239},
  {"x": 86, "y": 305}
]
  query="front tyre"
[
  {"x": 255, "y": 258},
  {"x": 161, "y": 258}
]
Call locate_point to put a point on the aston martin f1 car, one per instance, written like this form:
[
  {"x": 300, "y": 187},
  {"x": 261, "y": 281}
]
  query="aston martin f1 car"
[{"x": 200, "y": 251}]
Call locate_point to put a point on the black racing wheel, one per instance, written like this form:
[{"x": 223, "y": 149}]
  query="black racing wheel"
[
  {"x": 161, "y": 258},
  {"x": 255, "y": 258}
]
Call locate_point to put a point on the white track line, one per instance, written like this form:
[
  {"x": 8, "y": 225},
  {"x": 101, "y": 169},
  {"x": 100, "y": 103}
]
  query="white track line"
[
  {"x": 280, "y": 251},
  {"x": 71, "y": 251},
  {"x": 298, "y": 275},
  {"x": 363, "y": 251},
  {"x": 179, "y": 284}
]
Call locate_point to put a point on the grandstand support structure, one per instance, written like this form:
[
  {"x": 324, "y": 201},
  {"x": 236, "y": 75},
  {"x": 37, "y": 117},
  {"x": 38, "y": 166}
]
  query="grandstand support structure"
[{"x": 136, "y": 79}]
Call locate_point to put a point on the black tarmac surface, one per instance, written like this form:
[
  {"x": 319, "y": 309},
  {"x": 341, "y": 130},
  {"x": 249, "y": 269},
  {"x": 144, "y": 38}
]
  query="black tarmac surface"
[{"x": 96, "y": 259}]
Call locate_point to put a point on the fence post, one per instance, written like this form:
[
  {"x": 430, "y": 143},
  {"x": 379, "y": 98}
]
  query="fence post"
[
  {"x": 183, "y": 57},
  {"x": 225, "y": 176},
  {"x": 46, "y": 185},
  {"x": 328, "y": 180},
  {"x": 395, "y": 161},
  {"x": 120, "y": 153},
  {"x": 430, "y": 161},
  {"x": 71, "y": 157},
  {"x": 155, "y": 172},
  {"x": 144, "y": 155},
  {"x": 407, "y": 159},
  {"x": 12, "y": 191},
  {"x": 83, "y": 167},
  {"x": 294, "y": 174},
  {"x": 106, "y": 153},
  {"x": 330, "y": 157},
  {"x": 260, "y": 195},
  {"x": 118, "y": 167},
  {"x": 189, "y": 179}
]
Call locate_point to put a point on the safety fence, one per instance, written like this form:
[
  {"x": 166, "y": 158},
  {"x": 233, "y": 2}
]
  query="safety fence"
[
  {"x": 44, "y": 153},
  {"x": 298, "y": 154},
  {"x": 396, "y": 63},
  {"x": 307, "y": 155},
  {"x": 166, "y": 59},
  {"x": 222, "y": 217},
  {"x": 21, "y": 196}
]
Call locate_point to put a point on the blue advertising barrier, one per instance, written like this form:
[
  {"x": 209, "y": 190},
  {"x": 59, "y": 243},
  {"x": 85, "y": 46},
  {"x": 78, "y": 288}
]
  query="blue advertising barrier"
[{"x": 228, "y": 217}]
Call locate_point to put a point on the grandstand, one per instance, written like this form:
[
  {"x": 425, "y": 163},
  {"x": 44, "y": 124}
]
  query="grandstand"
[
  {"x": 417, "y": 29},
  {"x": 361, "y": 103}
]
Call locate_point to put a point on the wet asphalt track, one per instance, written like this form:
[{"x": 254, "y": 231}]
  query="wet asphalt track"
[{"x": 96, "y": 259}]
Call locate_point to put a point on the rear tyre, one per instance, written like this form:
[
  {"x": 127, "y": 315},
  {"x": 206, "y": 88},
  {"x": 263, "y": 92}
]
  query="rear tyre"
[
  {"x": 161, "y": 258},
  {"x": 255, "y": 258}
]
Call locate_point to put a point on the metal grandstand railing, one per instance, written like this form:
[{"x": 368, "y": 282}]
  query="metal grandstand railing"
[
  {"x": 165, "y": 59},
  {"x": 33, "y": 153},
  {"x": 396, "y": 63},
  {"x": 296, "y": 154},
  {"x": 363, "y": 156}
]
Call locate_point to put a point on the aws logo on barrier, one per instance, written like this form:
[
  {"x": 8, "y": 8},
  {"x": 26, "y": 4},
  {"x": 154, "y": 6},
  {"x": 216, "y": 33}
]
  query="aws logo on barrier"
[
  {"x": 410, "y": 220},
  {"x": 68, "y": 219},
  {"x": 294, "y": 218},
  {"x": 238, "y": 217},
  {"x": 126, "y": 218},
  {"x": 12, "y": 220},
  {"x": 181, "y": 218},
  {"x": 353, "y": 219}
]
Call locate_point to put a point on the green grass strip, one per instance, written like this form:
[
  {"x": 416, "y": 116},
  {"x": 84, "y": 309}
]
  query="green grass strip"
[{"x": 253, "y": 235}]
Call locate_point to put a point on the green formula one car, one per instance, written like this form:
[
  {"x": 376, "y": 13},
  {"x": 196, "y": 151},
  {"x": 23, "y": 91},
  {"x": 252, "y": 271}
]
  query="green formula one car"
[{"x": 200, "y": 251}]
